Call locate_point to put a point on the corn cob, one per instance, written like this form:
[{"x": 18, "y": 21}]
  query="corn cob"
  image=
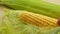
[
  {"x": 37, "y": 6},
  {"x": 38, "y": 19}
]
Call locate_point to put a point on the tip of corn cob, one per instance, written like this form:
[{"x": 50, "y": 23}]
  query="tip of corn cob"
[
  {"x": 58, "y": 22},
  {"x": 37, "y": 19}
]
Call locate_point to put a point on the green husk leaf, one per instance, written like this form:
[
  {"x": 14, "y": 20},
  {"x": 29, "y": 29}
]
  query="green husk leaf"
[{"x": 36, "y": 6}]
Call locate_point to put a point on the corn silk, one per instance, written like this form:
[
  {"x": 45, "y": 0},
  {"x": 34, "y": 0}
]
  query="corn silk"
[{"x": 11, "y": 24}]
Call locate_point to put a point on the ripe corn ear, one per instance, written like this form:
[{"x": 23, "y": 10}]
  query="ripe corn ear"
[{"x": 38, "y": 19}]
